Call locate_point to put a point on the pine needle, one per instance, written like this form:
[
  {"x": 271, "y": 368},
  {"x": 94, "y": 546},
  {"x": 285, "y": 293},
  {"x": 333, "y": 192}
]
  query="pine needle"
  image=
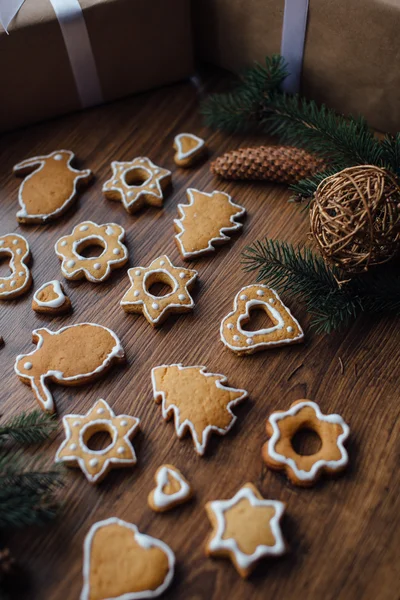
[{"x": 28, "y": 428}]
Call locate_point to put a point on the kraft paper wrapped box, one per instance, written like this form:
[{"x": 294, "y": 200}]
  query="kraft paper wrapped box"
[
  {"x": 136, "y": 44},
  {"x": 351, "y": 57}
]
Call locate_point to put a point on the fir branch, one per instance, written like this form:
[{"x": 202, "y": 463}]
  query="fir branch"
[
  {"x": 391, "y": 152},
  {"x": 240, "y": 110},
  {"x": 306, "y": 188},
  {"x": 28, "y": 428},
  {"x": 27, "y": 491}
]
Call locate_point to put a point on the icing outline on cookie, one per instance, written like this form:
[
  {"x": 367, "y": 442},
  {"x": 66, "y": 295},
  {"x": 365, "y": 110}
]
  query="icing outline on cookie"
[
  {"x": 173, "y": 410},
  {"x": 165, "y": 501},
  {"x": 146, "y": 541},
  {"x": 133, "y": 197},
  {"x": 56, "y": 302},
  {"x": 221, "y": 238},
  {"x": 18, "y": 248},
  {"x": 156, "y": 308},
  {"x": 275, "y": 315},
  {"x": 74, "y": 445},
  {"x": 245, "y": 561},
  {"x": 182, "y": 158},
  {"x": 320, "y": 464},
  {"x": 98, "y": 268},
  {"x": 85, "y": 175},
  {"x": 38, "y": 336}
]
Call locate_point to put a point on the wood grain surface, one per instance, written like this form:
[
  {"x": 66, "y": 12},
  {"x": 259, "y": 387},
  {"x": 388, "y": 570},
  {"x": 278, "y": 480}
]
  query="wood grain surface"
[{"x": 343, "y": 534}]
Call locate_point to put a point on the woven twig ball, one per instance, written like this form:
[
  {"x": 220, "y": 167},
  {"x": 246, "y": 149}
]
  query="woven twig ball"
[{"x": 355, "y": 218}]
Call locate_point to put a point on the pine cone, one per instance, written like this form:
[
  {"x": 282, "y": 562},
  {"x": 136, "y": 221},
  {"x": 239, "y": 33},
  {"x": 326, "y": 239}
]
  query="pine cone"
[{"x": 283, "y": 164}]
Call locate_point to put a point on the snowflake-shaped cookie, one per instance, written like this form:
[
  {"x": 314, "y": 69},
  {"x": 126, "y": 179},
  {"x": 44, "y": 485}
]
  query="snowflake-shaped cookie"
[
  {"x": 95, "y": 464},
  {"x": 136, "y": 183},
  {"x": 157, "y": 308}
]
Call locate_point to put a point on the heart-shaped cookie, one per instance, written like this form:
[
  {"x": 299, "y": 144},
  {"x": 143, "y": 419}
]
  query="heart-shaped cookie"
[
  {"x": 284, "y": 329},
  {"x": 171, "y": 489},
  {"x": 51, "y": 299},
  {"x": 120, "y": 563},
  {"x": 189, "y": 149}
]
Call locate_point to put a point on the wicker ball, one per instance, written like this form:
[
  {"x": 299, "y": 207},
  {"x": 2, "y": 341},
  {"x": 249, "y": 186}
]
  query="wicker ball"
[{"x": 355, "y": 218}]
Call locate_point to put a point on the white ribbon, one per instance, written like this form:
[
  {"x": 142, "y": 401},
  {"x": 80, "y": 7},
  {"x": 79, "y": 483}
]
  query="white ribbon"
[
  {"x": 77, "y": 43},
  {"x": 8, "y": 10},
  {"x": 293, "y": 39}
]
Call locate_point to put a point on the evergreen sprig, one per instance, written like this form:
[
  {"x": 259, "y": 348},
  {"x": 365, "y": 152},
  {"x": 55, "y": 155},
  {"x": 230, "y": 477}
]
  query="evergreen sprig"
[
  {"x": 304, "y": 275},
  {"x": 27, "y": 488},
  {"x": 28, "y": 428}
]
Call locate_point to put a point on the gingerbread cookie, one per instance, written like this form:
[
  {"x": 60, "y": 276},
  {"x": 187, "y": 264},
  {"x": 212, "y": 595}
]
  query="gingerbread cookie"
[
  {"x": 199, "y": 401},
  {"x": 246, "y": 528},
  {"x": 120, "y": 563},
  {"x": 95, "y": 464},
  {"x": 20, "y": 280},
  {"x": 73, "y": 355},
  {"x": 156, "y": 309},
  {"x": 137, "y": 183},
  {"x": 204, "y": 222},
  {"x": 51, "y": 299},
  {"x": 96, "y": 269},
  {"x": 50, "y": 188},
  {"x": 189, "y": 149},
  {"x": 171, "y": 489},
  {"x": 284, "y": 329},
  {"x": 304, "y": 470}
]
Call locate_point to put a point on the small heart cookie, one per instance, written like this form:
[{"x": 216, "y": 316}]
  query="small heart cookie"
[
  {"x": 284, "y": 328},
  {"x": 120, "y": 563},
  {"x": 189, "y": 149},
  {"x": 171, "y": 489},
  {"x": 51, "y": 299}
]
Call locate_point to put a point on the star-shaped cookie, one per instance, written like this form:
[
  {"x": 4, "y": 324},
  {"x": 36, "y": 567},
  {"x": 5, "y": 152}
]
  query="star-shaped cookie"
[
  {"x": 156, "y": 309},
  {"x": 136, "y": 183},
  {"x": 95, "y": 464},
  {"x": 246, "y": 528}
]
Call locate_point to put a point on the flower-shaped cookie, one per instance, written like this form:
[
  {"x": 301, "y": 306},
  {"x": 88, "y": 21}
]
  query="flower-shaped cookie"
[
  {"x": 96, "y": 269},
  {"x": 245, "y": 528},
  {"x": 95, "y": 464},
  {"x": 278, "y": 453},
  {"x": 136, "y": 183},
  {"x": 156, "y": 309}
]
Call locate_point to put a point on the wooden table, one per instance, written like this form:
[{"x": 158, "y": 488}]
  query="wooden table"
[{"x": 343, "y": 534}]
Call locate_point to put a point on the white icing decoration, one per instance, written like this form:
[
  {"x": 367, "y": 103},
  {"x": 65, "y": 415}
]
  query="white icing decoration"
[
  {"x": 217, "y": 542},
  {"x": 271, "y": 301},
  {"x": 162, "y": 500},
  {"x": 181, "y": 297},
  {"x": 137, "y": 273},
  {"x": 182, "y": 275},
  {"x": 21, "y": 273},
  {"x": 15, "y": 242},
  {"x": 28, "y": 366},
  {"x": 76, "y": 423},
  {"x": 180, "y": 428},
  {"x": 136, "y": 293},
  {"x": 93, "y": 462},
  {"x": 124, "y": 423},
  {"x": 152, "y": 186},
  {"x": 73, "y": 447},
  {"x": 70, "y": 263},
  {"x": 162, "y": 262},
  {"x": 330, "y": 464},
  {"x": 121, "y": 450},
  {"x": 143, "y": 540},
  {"x": 40, "y": 162},
  {"x": 63, "y": 243},
  {"x": 1, "y": 286},
  {"x": 13, "y": 283},
  {"x": 180, "y": 155},
  {"x": 19, "y": 251},
  {"x": 97, "y": 266},
  {"x": 116, "y": 251},
  {"x": 243, "y": 297},
  {"x": 236, "y": 338},
  {"x": 83, "y": 228},
  {"x": 289, "y": 329},
  {"x": 43, "y": 395},
  {"x": 230, "y": 326},
  {"x": 155, "y": 306},
  {"x": 260, "y": 293},
  {"x": 249, "y": 341},
  {"x": 100, "y": 411},
  {"x": 56, "y": 302},
  {"x": 180, "y": 223},
  {"x": 109, "y": 230}
]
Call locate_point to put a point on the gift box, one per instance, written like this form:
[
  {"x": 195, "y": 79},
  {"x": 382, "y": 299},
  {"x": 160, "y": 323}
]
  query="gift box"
[
  {"x": 63, "y": 55},
  {"x": 351, "y": 51}
]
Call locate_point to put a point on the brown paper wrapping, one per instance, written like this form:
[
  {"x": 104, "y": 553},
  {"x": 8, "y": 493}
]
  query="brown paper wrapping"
[
  {"x": 137, "y": 45},
  {"x": 352, "y": 50}
]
